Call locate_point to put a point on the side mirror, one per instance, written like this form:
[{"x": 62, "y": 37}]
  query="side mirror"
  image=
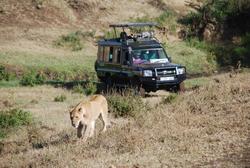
[{"x": 170, "y": 59}]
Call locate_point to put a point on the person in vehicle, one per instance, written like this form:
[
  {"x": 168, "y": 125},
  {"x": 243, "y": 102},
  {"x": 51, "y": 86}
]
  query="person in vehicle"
[{"x": 136, "y": 58}]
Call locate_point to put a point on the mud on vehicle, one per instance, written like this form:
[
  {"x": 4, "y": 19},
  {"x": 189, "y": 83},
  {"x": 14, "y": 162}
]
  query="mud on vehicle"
[{"x": 137, "y": 60}]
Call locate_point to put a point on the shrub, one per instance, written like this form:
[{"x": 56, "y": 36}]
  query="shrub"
[
  {"x": 196, "y": 43},
  {"x": 87, "y": 89},
  {"x": 90, "y": 88},
  {"x": 110, "y": 34},
  {"x": 242, "y": 51},
  {"x": 125, "y": 105},
  {"x": 4, "y": 75},
  {"x": 60, "y": 98},
  {"x": 169, "y": 99},
  {"x": 167, "y": 17},
  {"x": 78, "y": 89},
  {"x": 32, "y": 79},
  {"x": 12, "y": 119},
  {"x": 72, "y": 41}
]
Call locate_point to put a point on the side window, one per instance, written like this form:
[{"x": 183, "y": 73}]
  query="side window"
[
  {"x": 125, "y": 58},
  {"x": 111, "y": 54},
  {"x": 100, "y": 53},
  {"x": 106, "y": 54},
  {"x": 116, "y": 55},
  {"x": 118, "y": 60}
]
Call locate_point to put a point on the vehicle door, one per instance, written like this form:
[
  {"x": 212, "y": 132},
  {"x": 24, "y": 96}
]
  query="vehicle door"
[{"x": 126, "y": 68}]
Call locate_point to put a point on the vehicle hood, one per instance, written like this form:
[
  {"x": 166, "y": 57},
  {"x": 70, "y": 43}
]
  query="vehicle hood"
[{"x": 156, "y": 65}]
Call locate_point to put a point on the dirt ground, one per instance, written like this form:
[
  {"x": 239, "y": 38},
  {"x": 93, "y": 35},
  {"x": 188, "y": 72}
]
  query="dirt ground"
[{"x": 204, "y": 127}]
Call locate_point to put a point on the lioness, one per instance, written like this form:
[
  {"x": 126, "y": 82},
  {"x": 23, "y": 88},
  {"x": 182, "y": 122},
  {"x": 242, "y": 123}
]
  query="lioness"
[{"x": 85, "y": 114}]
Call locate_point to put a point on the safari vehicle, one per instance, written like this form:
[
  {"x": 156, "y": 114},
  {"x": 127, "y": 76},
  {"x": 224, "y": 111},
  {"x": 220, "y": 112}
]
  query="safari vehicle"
[{"x": 137, "y": 60}]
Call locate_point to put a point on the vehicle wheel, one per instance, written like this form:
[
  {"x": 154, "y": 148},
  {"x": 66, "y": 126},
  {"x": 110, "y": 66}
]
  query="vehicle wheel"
[
  {"x": 140, "y": 91},
  {"x": 181, "y": 87},
  {"x": 108, "y": 84},
  {"x": 137, "y": 86}
]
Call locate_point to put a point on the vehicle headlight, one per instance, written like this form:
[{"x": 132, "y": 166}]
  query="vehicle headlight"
[
  {"x": 181, "y": 71},
  {"x": 147, "y": 73}
]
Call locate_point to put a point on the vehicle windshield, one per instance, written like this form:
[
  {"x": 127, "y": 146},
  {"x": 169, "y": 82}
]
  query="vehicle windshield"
[{"x": 154, "y": 55}]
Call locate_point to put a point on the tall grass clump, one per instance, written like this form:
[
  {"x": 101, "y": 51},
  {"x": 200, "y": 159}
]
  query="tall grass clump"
[
  {"x": 71, "y": 41},
  {"x": 60, "y": 98},
  {"x": 125, "y": 105},
  {"x": 12, "y": 119},
  {"x": 4, "y": 74},
  {"x": 169, "y": 99},
  {"x": 32, "y": 78},
  {"x": 88, "y": 89},
  {"x": 166, "y": 19}
]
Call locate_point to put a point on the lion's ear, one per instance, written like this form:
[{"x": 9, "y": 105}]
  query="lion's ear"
[{"x": 70, "y": 110}]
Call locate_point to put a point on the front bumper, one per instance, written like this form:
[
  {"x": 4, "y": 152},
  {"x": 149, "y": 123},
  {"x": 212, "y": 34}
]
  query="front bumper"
[{"x": 154, "y": 83}]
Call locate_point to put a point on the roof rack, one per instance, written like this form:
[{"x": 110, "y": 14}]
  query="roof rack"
[{"x": 123, "y": 25}]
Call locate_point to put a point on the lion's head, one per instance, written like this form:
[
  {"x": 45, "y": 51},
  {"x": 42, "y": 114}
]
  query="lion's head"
[{"x": 76, "y": 116}]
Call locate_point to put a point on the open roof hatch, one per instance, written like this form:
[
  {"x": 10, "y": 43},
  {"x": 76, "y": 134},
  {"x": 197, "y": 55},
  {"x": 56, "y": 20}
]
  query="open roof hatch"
[{"x": 130, "y": 25}]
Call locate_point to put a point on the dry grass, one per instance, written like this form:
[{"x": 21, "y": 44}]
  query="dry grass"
[{"x": 205, "y": 127}]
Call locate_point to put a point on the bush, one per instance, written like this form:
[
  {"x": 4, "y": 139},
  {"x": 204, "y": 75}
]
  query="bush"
[
  {"x": 12, "y": 119},
  {"x": 169, "y": 99},
  {"x": 72, "y": 41},
  {"x": 32, "y": 79},
  {"x": 165, "y": 17},
  {"x": 78, "y": 89},
  {"x": 90, "y": 88},
  {"x": 87, "y": 89},
  {"x": 60, "y": 98},
  {"x": 242, "y": 52},
  {"x": 125, "y": 105},
  {"x": 196, "y": 43},
  {"x": 4, "y": 75}
]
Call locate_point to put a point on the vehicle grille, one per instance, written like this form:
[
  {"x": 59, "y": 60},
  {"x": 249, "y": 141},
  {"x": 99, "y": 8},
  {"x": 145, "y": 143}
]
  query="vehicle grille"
[{"x": 166, "y": 72}]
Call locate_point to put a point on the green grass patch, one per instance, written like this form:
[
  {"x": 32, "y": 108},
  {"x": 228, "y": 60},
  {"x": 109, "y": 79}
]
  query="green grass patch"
[
  {"x": 196, "y": 60},
  {"x": 169, "y": 99},
  {"x": 166, "y": 19},
  {"x": 88, "y": 89},
  {"x": 196, "y": 82},
  {"x": 66, "y": 67},
  {"x": 63, "y": 63},
  {"x": 32, "y": 78},
  {"x": 60, "y": 98},
  {"x": 13, "y": 119},
  {"x": 78, "y": 89},
  {"x": 5, "y": 75},
  {"x": 11, "y": 83},
  {"x": 71, "y": 41}
]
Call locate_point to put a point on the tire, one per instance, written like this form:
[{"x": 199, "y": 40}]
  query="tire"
[
  {"x": 181, "y": 87},
  {"x": 141, "y": 91},
  {"x": 136, "y": 85},
  {"x": 108, "y": 84}
]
